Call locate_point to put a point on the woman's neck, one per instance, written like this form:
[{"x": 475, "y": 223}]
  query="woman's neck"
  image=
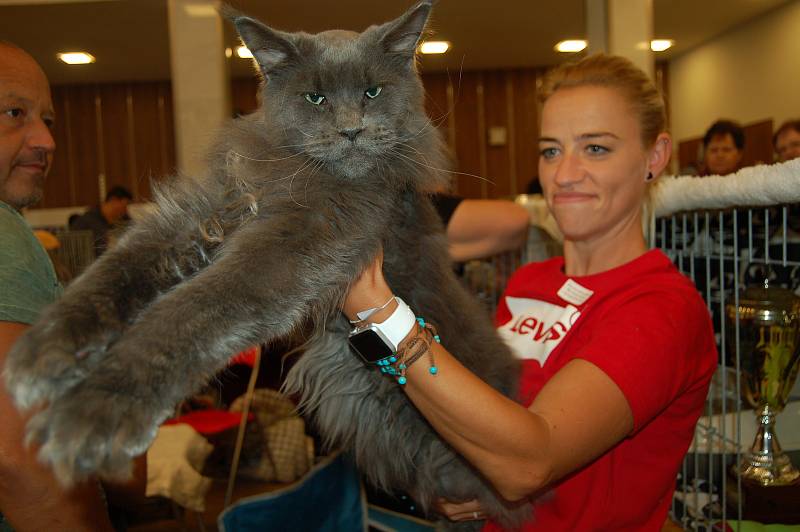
[{"x": 591, "y": 256}]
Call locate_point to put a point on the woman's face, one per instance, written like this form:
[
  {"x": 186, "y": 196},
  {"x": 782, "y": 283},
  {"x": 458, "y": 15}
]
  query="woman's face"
[{"x": 592, "y": 165}]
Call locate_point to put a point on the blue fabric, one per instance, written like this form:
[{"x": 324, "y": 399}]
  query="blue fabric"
[{"x": 328, "y": 498}]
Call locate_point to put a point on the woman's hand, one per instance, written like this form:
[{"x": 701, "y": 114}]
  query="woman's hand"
[
  {"x": 460, "y": 511},
  {"x": 369, "y": 291}
]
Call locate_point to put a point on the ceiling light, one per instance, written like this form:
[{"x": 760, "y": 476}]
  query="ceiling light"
[
  {"x": 571, "y": 46},
  {"x": 434, "y": 47},
  {"x": 228, "y": 52},
  {"x": 659, "y": 45},
  {"x": 243, "y": 52},
  {"x": 76, "y": 58}
]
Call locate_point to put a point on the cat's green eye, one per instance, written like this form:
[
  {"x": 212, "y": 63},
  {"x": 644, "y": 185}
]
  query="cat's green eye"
[
  {"x": 313, "y": 97},
  {"x": 372, "y": 92}
]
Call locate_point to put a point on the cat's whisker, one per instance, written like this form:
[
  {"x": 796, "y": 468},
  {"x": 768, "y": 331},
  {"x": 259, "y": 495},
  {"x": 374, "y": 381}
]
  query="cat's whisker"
[
  {"x": 305, "y": 165},
  {"x": 420, "y": 131},
  {"x": 264, "y": 160},
  {"x": 442, "y": 169},
  {"x": 304, "y": 133},
  {"x": 314, "y": 170},
  {"x": 301, "y": 145},
  {"x": 428, "y": 123},
  {"x": 415, "y": 150}
]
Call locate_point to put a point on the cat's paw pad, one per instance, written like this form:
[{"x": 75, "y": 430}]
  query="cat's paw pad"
[
  {"x": 48, "y": 360},
  {"x": 94, "y": 432}
]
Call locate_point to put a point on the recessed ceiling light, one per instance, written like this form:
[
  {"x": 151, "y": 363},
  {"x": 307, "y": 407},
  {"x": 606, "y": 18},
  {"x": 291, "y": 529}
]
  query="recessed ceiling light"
[
  {"x": 243, "y": 52},
  {"x": 76, "y": 58},
  {"x": 434, "y": 47},
  {"x": 571, "y": 46},
  {"x": 659, "y": 45}
]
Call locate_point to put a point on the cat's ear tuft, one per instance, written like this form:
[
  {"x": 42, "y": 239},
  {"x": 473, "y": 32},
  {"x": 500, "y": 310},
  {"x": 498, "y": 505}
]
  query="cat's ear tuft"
[
  {"x": 271, "y": 49},
  {"x": 403, "y": 34}
]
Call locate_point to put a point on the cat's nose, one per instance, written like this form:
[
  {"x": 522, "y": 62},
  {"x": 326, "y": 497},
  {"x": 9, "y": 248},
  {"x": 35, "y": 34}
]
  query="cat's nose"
[{"x": 351, "y": 133}]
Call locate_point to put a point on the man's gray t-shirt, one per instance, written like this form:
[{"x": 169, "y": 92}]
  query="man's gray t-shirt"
[{"x": 28, "y": 281}]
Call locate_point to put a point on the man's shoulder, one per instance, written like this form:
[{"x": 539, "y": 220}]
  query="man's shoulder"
[{"x": 15, "y": 234}]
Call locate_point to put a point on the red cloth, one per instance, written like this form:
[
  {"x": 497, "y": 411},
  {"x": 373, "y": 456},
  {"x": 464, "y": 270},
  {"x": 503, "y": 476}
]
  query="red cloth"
[
  {"x": 246, "y": 357},
  {"x": 210, "y": 421},
  {"x": 647, "y": 328}
]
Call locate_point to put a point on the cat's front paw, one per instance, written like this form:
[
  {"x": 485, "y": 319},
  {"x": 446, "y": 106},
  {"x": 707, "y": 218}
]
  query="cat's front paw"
[
  {"x": 91, "y": 432},
  {"x": 54, "y": 355}
]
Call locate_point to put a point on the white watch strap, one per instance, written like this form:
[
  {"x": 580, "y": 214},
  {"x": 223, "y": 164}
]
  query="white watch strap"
[{"x": 399, "y": 324}]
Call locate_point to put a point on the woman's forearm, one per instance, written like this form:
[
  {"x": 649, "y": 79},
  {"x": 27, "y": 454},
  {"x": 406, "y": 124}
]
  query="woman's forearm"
[{"x": 506, "y": 442}]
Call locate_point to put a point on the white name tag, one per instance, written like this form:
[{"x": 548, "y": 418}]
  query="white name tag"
[{"x": 572, "y": 292}]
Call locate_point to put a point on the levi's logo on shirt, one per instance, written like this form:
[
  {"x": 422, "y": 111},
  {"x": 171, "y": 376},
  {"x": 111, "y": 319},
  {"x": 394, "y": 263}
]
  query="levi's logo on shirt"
[{"x": 536, "y": 327}]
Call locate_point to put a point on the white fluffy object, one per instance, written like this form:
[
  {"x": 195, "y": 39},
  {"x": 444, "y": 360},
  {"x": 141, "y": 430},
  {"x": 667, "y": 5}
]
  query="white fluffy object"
[{"x": 754, "y": 186}]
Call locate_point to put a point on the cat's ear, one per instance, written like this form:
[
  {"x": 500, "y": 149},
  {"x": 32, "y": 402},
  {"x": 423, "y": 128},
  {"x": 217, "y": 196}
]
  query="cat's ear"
[
  {"x": 271, "y": 49},
  {"x": 402, "y": 35}
]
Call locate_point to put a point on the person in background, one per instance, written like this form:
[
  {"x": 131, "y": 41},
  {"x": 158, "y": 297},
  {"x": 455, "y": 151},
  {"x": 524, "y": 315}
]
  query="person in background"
[
  {"x": 30, "y": 497},
  {"x": 723, "y": 144},
  {"x": 610, "y": 396},
  {"x": 480, "y": 228},
  {"x": 786, "y": 141},
  {"x": 101, "y": 219}
]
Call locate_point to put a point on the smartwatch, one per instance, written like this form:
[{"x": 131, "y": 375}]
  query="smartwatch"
[{"x": 378, "y": 341}]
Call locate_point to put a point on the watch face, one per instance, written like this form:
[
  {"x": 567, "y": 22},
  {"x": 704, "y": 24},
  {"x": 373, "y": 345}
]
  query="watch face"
[{"x": 370, "y": 346}]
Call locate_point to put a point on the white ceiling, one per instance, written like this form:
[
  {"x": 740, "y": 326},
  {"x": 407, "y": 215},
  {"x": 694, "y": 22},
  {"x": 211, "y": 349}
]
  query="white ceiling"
[{"x": 130, "y": 39}]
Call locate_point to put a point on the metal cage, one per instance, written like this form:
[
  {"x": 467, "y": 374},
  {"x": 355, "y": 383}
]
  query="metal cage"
[{"x": 723, "y": 252}]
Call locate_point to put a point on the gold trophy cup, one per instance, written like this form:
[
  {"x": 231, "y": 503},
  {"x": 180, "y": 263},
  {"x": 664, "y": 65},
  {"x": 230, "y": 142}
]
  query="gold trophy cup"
[{"x": 769, "y": 334}]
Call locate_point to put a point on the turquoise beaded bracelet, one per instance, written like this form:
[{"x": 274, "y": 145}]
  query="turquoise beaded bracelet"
[{"x": 397, "y": 365}]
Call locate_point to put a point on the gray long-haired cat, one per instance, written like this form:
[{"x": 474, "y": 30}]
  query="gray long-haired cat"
[{"x": 297, "y": 201}]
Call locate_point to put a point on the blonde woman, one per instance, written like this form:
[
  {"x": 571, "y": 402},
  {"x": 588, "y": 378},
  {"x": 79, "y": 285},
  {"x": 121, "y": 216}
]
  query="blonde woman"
[{"x": 617, "y": 346}]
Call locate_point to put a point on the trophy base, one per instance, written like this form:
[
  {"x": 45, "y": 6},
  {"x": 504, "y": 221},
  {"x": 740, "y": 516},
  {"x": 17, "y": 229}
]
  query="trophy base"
[
  {"x": 764, "y": 504},
  {"x": 768, "y": 469}
]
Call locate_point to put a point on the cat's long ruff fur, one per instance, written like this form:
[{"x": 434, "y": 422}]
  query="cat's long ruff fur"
[{"x": 269, "y": 240}]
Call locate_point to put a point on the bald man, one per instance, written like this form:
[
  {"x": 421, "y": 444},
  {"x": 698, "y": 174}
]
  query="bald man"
[{"x": 30, "y": 497}]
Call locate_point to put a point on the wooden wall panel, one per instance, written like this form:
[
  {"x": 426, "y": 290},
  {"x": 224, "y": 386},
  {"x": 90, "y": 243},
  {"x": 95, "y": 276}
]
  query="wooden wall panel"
[
  {"x": 468, "y": 118},
  {"x": 59, "y": 190},
  {"x": 526, "y": 127},
  {"x": 499, "y": 170},
  {"x": 154, "y": 136},
  {"x": 437, "y": 103},
  {"x": 107, "y": 135},
  {"x": 115, "y": 135},
  {"x": 85, "y": 153},
  {"x": 147, "y": 125},
  {"x": 758, "y": 144},
  {"x": 167, "y": 129}
]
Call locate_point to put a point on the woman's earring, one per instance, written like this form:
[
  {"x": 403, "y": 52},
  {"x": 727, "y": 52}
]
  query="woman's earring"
[{"x": 649, "y": 176}]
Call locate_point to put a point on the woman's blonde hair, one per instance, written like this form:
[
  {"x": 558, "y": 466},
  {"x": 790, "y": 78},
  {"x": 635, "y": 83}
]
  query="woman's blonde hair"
[{"x": 616, "y": 72}]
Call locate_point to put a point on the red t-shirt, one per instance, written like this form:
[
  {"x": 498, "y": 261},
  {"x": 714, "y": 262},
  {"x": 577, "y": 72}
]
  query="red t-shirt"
[{"x": 644, "y": 325}]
